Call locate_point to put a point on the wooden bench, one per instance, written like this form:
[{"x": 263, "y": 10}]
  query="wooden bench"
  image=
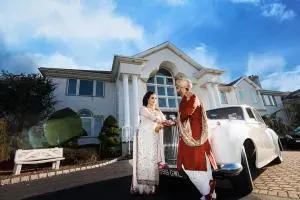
[{"x": 37, "y": 156}]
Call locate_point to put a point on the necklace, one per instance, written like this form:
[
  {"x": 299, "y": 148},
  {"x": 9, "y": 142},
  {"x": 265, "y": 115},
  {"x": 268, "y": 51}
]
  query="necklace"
[{"x": 151, "y": 109}]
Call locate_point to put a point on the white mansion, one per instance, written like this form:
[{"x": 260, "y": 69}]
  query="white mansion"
[{"x": 119, "y": 92}]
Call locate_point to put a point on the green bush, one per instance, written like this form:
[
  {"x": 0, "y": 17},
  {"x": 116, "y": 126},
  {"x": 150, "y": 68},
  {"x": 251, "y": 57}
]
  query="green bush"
[
  {"x": 63, "y": 126},
  {"x": 5, "y": 142},
  {"x": 36, "y": 136},
  {"x": 110, "y": 138}
]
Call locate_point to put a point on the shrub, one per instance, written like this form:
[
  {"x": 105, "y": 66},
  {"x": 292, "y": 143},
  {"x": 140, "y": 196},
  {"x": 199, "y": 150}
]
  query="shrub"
[
  {"x": 63, "y": 126},
  {"x": 110, "y": 138},
  {"x": 5, "y": 147},
  {"x": 81, "y": 155}
]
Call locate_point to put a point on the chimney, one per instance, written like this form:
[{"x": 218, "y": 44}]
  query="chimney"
[{"x": 255, "y": 79}]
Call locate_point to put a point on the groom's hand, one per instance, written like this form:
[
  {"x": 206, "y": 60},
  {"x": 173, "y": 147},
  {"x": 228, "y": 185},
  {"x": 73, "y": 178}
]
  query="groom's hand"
[{"x": 177, "y": 120}]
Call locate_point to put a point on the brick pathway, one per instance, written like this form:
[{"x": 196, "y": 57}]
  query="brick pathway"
[{"x": 281, "y": 180}]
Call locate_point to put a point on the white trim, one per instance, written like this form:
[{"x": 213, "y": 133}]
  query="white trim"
[{"x": 248, "y": 80}]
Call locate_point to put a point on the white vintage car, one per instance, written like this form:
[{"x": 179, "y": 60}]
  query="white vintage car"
[{"x": 241, "y": 142}]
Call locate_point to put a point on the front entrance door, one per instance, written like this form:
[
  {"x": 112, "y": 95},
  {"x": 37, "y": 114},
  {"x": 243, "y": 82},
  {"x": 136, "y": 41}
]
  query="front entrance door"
[{"x": 170, "y": 141}]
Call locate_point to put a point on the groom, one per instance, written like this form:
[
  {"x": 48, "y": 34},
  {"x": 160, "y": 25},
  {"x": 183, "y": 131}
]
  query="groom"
[{"x": 194, "y": 151}]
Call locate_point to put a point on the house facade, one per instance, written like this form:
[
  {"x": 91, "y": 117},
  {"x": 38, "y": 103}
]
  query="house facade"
[{"x": 119, "y": 92}]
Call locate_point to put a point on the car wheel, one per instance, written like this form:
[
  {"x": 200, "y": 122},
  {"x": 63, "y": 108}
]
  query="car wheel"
[
  {"x": 279, "y": 159},
  {"x": 243, "y": 183}
]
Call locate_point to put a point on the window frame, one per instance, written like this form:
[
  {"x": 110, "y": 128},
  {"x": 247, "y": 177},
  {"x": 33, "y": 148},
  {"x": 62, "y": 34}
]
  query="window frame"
[
  {"x": 78, "y": 88},
  {"x": 251, "y": 118},
  {"x": 166, "y": 97},
  {"x": 223, "y": 94},
  {"x": 93, "y": 118}
]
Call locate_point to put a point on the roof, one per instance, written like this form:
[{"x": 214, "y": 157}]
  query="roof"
[
  {"x": 237, "y": 81},
  {"x": 136, "y": 59},
  {"x": 273, "y": 92},
  {"x": 178, "y": 52},
  {"x": 233, "y": 82},
  {"x": 76, "y": 73}
]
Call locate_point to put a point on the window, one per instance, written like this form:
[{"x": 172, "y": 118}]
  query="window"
[
  {"x": 98, "y": 122},
  {"x": 269, "y": 100},
  {"x": 226, "y": 113},
  {"x": 258, "y": 117},
  {"x": 163, "y": 85},
  {"x": 72, "y": 84},
  {"x": 254, "y": 97},
  {"x": 86, "y": 88},
  {"x": 250, "y": 114},
  {"x": 99, "y": 89},
  {"x": 86, "y": 117},
  {"x": 90, "y": 123},
  {"x": 223, "y": 97},
  {"x": 274, "y": 100}
]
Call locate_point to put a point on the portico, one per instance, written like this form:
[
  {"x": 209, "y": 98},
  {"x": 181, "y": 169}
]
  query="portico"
[{"x": 155, "y": 70}]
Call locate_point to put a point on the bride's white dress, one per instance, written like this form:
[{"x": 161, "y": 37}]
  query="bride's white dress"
[{"x": 147, "y": 152}]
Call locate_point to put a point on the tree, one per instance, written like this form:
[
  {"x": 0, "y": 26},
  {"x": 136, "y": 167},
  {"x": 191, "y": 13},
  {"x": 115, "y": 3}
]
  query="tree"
[
  {"x": 25, "y": 99},
  {"x": 275, "y": 123},
  {"x": 293, "y": 110}
]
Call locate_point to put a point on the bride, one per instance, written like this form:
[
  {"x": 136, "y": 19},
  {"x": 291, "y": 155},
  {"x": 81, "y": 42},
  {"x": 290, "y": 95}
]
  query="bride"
[{"x": 148, "y": 153}]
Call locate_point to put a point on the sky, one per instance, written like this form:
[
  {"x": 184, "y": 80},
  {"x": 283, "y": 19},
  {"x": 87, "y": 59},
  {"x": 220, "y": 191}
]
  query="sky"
[{"x": 241, "y": 37}]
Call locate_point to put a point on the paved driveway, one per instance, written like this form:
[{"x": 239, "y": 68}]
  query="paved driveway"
[
  {"x": 113, "y": 182},
  {"x": 281, "y": 180}
]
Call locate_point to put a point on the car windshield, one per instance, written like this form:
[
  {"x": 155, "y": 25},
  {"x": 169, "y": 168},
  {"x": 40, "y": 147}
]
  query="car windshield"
[{"x": 226, "y": 113}]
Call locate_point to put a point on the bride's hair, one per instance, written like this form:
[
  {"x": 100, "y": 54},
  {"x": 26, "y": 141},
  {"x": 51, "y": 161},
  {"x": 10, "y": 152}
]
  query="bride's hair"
[{"x": 147, "y": 97}]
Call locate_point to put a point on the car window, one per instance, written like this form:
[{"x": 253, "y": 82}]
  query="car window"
[
  {"x": 250, "y": 114},
  {"x": 226, "y": 113},
  {"x": 257, "y": 116}
]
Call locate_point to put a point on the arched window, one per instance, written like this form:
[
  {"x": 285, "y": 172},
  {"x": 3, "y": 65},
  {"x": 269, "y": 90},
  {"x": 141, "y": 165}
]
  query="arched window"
[{"x": 163, "y": 84}]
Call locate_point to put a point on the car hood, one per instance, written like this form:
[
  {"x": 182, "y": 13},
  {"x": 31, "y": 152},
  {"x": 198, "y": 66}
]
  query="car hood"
[{"x": 294, "y": 135}]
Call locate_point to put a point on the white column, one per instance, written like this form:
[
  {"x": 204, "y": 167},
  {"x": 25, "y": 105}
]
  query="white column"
[
  {"x": 211, "y": 96},
  {"x": 217, "y": 92},
  {"x": 135, "y": 101},
  {"x": 126, "y": 101}
]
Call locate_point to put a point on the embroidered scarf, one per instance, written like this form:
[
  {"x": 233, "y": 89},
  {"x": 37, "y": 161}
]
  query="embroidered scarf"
[{"x": 186, "y": 131}]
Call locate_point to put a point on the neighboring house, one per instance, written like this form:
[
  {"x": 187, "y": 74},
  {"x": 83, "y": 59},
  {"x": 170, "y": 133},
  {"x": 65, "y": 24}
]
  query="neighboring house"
[
  {"x": 119, "y": 92},
  {"x": 242, "y": 91},
  {"x": 273, "y": 103},
  {"x": 248, "y": 90}
]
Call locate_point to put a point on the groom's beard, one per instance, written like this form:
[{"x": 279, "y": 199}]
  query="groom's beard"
[{"x": 179, "y": 94}]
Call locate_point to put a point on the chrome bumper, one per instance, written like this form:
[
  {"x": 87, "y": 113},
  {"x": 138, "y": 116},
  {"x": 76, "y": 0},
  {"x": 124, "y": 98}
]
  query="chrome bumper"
[
  {"x": 226, "y": 170},
  {"x": 223, "y": 171}
]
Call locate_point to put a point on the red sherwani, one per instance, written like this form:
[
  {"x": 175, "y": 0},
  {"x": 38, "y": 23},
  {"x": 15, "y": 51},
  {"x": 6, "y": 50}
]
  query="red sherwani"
[{"x": 193, "y": 158}]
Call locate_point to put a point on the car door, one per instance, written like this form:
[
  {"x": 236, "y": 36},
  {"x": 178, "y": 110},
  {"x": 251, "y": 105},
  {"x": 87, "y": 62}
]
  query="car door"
[
  {"x": 269, "y": 143},
  {"x": 256, "y": 133},
  {"x": 266, "y": 140}
]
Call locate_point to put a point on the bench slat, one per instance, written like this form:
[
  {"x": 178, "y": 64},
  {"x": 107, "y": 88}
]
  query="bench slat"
[{"x": 38, "y": 161}]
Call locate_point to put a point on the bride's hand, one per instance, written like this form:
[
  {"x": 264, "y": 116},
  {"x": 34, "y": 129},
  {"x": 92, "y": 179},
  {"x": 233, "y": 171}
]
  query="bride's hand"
[{"x": 158, "y": 127}]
